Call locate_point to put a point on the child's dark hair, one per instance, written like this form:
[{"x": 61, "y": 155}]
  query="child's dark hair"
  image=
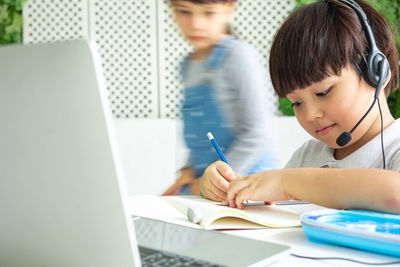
[
  {"x": 206, "y": 1},
  {"x": 320, "y": 39}
]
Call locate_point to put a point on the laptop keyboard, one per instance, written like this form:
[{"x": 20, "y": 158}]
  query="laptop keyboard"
[{"x": 151, "y": 257}]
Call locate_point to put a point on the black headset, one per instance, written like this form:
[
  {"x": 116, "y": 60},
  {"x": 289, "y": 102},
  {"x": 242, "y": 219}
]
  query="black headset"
[
  {"x": 372, "y": 71},
  {"x": 375, "y": 70}
]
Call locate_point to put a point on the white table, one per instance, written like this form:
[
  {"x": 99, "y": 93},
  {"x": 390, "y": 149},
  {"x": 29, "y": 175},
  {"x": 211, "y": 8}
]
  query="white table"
[{"x": 154, "y": 207}]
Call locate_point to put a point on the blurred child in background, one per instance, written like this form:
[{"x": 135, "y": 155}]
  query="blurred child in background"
[{"x": 225, "y": 93}]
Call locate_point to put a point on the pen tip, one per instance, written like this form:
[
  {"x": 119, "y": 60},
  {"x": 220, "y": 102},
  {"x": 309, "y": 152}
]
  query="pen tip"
[{"x": 210, "y": 136}]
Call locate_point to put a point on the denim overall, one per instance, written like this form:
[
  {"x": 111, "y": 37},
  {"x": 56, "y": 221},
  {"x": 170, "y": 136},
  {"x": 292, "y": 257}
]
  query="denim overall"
[{"x": 202, "y": 114}]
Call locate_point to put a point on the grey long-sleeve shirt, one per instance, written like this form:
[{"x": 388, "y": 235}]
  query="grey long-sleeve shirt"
[{"x": 240, "y": 86}]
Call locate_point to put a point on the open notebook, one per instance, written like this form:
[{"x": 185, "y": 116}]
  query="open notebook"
[{"x": 215, "y": 216}]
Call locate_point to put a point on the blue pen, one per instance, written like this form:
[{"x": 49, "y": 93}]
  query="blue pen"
[
  {"x": 217, "y": 148},
  {"x": 222, "y": 157}
]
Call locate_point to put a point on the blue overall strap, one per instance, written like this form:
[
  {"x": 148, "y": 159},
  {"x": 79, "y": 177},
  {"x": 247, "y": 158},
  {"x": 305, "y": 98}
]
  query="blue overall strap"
[
  {"x": 218, "y": 54},
  {"x": 214, "y": 61},
  {"x": 183, "y": 67}
]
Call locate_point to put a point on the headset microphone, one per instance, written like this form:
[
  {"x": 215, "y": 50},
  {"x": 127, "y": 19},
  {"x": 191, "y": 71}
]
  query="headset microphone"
[{"x": 345, "y": 137}]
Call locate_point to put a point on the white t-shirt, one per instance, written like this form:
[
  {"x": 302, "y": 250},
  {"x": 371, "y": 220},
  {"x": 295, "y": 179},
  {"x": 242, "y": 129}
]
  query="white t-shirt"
[{"x": 314, "y": 153}]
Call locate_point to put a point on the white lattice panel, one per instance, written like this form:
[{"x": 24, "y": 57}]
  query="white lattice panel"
[
  {"x": 172, "y": 50},
  {"x": 140, "y": 46},
  {"x": 55, "y": 20},
  {"x": 125, "y": 33},
  {"x": 256, "y": 22}
]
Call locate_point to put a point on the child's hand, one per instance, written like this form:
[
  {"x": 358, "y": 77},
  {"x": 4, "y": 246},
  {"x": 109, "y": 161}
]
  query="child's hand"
[
  {"x": 215, "y": 181},
  {"x": 187, "y": 176},
  {"x": 264, "y": 186}
]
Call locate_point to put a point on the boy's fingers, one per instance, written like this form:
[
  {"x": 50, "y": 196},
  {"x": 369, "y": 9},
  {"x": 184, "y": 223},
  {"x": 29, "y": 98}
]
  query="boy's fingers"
[
  {"x": 218, "y": 187},
  {"x": 234, "y": 188},
  {"x": 220, "y": 183},
  {"x": 215, "y": 195},
  {"x": 226, "y": 171},
  {"x": 172, "y": 190},
  {"x": 242, "y": 196},
  {"x": 168, "y": 191},
  {"x": 175, "y": 188},
  {"x": 209, "y": 190}
]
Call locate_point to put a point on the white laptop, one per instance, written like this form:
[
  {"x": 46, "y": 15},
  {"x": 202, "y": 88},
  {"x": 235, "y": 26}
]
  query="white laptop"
[{"x": 62, "y": 193}]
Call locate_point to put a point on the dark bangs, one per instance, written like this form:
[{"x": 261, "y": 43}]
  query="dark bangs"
[{"x": 320, "y": 39}]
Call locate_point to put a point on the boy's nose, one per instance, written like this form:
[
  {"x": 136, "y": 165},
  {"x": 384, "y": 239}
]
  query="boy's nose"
[
  {"x": 197, "y": 23},
  {"x": 313, "y": 112}
]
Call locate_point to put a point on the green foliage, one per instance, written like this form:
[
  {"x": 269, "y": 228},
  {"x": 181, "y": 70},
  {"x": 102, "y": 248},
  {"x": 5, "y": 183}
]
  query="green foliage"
[
  {"x": 11, "y": 21},
  {"x": 286, "y": 107},
  {"x": 394, "y": 103},
  {"x": 300, "y": 3},
  {"x": 391, "y": 10}
]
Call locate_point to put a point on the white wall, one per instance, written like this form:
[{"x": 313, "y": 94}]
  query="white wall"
[
  {"x": 152, "y": 150},
  {"x": 147, "y": 148}
]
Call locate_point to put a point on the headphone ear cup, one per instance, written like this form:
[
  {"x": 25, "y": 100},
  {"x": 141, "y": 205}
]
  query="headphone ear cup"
[
  {"x": 372, "y": 68},
  {"x": 386, "y": 69}
]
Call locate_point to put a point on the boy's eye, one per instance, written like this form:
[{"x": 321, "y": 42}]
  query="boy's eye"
[
  {"x": 184, "y": 12},
  {"x": 323, "y": 93},
  {"x": 296, "y": 104},
  {"x": 209, "y": 13}
]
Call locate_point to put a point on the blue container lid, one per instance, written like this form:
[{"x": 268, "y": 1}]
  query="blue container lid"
[{"x": 367, "y": 230}]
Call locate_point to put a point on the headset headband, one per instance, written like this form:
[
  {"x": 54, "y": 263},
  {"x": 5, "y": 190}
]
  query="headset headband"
[{"x": 364, "y": 22}]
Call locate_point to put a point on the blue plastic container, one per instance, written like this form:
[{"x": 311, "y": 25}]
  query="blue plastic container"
[{"x": 367, "y": 230}]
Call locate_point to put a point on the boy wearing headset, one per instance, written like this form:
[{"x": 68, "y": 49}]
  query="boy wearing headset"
[{"x": 331, "y": 59}]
